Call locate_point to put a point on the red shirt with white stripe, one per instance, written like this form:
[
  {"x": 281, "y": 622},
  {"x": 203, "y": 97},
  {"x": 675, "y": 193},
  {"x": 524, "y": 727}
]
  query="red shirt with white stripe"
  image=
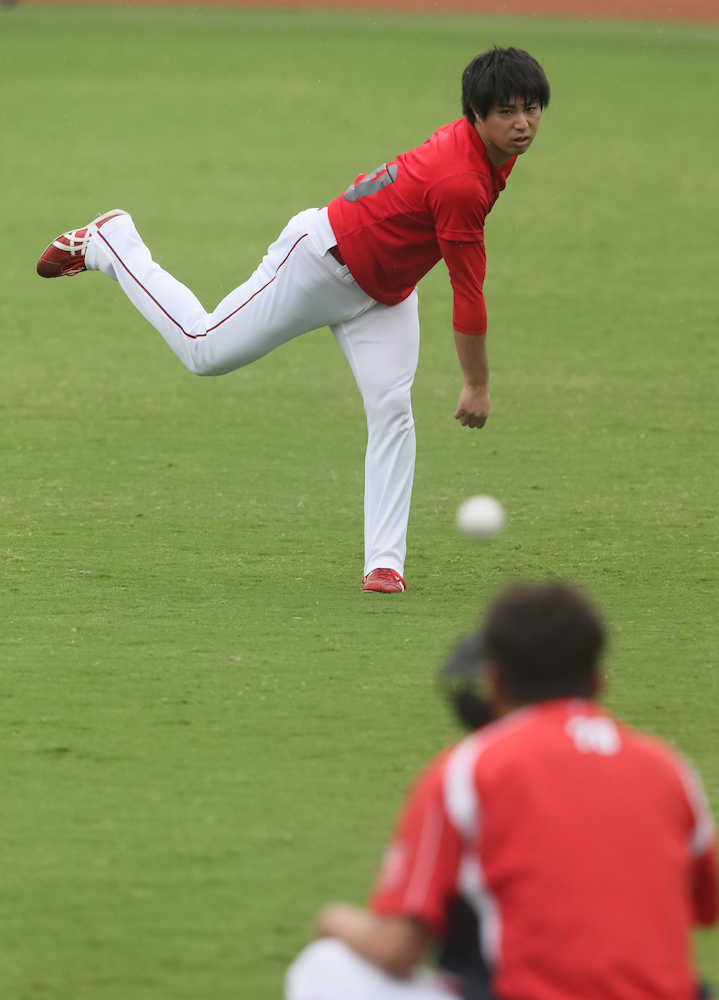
[
  {"x": 393, "y": 225},
  {"x": 587, "y": 850}
]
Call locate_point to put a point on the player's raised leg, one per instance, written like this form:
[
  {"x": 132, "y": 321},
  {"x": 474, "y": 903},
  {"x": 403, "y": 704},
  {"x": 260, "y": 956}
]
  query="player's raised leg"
[
  {"x": 296, "y": 288},
  {"x": 382, "y": 348}
]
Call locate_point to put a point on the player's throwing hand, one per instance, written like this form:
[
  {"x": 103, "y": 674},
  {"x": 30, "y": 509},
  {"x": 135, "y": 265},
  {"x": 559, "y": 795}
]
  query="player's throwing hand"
[{"x": 473, "y": 406}]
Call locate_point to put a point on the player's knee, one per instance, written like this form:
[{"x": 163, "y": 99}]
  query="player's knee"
[
  {"x": 201, "y": 368},
  {"x": 200, "y": 362},
  {"x": 391, "y": 408}
]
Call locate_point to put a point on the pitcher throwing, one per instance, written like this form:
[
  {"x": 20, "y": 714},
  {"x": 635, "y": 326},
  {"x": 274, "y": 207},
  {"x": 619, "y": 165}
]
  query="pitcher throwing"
[{"x": 353, "y": 265}]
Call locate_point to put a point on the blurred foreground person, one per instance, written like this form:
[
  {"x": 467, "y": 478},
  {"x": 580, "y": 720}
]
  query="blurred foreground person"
[{"x": 553, "y": 854}]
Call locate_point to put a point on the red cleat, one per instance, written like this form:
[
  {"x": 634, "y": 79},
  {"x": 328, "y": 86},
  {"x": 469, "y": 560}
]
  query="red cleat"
[
  {"x": 66, "y": 254},
  {"x": 383, "y": 581}
]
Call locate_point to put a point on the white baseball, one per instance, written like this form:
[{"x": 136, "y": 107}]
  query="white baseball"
[{"x": 480, "y": 517}]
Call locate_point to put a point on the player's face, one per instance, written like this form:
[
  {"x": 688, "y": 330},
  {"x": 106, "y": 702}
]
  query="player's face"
[{"x": 508, "y": 129}]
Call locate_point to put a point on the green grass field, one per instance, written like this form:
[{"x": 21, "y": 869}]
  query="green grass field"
[{"x": 207, "y": 729}]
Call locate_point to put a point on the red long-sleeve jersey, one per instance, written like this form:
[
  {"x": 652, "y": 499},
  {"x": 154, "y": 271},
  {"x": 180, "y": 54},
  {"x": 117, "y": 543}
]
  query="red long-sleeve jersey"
[
  {"x": 586, "y": 850},
  {"x": 394, "y": 224}
]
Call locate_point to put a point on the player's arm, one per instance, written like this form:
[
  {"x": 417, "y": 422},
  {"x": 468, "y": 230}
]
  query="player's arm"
[
  {"x": 473, "y": 404},
  {"x": 466, "y": 265},
  {"x": 704, "y": 884},
  {"x": 393, "y": 943},
  {"x": 408, "y": 906},
  {"x": 419, "y": 873}
]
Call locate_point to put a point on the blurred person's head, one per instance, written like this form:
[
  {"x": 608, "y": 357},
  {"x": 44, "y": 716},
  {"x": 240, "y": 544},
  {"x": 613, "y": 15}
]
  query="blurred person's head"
[{"x": 541, "y": 642}]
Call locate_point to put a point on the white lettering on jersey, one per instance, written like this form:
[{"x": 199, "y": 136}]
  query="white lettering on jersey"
[{"x": 592, "y": 734}]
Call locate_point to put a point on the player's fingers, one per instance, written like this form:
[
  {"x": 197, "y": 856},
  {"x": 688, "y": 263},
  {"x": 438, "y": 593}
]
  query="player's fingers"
[{"x": 467, "y": 420}]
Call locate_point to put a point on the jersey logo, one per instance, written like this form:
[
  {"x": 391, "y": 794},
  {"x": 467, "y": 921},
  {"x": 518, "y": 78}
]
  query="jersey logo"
[
  {"x": 594, "y": 735},
  {"x": 372, "y": 183}
]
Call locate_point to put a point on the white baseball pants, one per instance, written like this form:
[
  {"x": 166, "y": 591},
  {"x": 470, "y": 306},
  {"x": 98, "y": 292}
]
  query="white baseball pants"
[
  {"x": 298, "y": 287},
  {"x": 329, "y": 970}
]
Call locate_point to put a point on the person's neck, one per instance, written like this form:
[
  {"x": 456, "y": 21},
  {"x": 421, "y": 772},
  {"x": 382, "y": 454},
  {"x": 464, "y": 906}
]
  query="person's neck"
[{"x": 497, "y": 157}]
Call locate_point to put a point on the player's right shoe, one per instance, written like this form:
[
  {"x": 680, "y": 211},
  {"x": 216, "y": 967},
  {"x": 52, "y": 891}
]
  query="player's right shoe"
[
  {"x": 383, "y": 581},
  {"x": 66, "y": 254}
]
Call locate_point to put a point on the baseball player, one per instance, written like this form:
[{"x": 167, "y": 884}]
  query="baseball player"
[
  {"x": 353, "y": 266},
  {"x": 555, "y": 853}
]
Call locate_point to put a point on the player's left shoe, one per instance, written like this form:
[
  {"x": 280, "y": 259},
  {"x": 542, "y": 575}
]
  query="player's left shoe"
[
  {"x": 66, "y": 254},
  {"x": 383, "y": 581}
]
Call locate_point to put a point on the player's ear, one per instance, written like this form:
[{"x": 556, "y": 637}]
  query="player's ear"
[{"x": 498, "y": 700}]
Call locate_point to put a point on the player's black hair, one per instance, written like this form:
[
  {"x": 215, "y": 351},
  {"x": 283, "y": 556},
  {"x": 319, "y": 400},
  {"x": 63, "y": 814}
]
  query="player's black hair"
[
  {"x": 493, "y": 78},
  {"x": 545, "y": 641}
]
